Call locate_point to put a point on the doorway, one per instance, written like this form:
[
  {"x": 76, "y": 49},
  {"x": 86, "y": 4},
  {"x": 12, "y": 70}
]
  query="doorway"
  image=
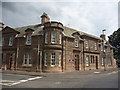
[
  {"x": 96, "y": 62},
  {"x": 76, "y": 62}
]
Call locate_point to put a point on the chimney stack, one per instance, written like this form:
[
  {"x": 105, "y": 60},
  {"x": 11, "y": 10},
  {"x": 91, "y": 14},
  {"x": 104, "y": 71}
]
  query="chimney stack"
[
  {"x": 103, "y": 36},
  {"x": 1, "y": 26},
  {"x": 44, "y": 18}
]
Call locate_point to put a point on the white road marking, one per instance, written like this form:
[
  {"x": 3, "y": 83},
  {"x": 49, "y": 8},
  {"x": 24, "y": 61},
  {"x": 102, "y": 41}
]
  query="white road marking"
[
  {"x": 57, "y": 82},
  {"x": 114, "y": 72},
  {"x": 16, "y": 75},
  {"x": 11, "y": 83},
  {"x": 96, "y": 72}
]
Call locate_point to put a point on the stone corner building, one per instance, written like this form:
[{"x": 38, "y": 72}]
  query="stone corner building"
[{"x": 52, "y": 47}]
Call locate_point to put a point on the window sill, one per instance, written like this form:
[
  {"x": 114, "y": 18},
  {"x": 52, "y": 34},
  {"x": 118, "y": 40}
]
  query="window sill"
[
  {"x": 27, "y": 65},
  {"x": 28, "y": 44},
  {"x": 52, "y": 65},
  {"x": 76, "y": 47}
]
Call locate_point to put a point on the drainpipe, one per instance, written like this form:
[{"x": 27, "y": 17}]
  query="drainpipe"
[
  {"x": 83, "y": 57},
  {"x": 65, "y": 51},
  {"x": 38, "y": 54},
  {"x": 17, "y": 53},
  {"x": 62, "y": 52}
]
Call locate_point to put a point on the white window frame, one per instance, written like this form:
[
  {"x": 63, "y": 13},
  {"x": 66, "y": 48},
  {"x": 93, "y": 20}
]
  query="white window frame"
[
  {"x": 60, "y": 39},
  {"x": 102, "y": 62},
  {"x": 60, "y": 58},
  {"x": 101, "y": 47},
  {"x": 46, "y": 59},
  {"x": 53, "y": 37},
  {"x": 86, "y": 44},
  {"x": 95, "y": 46},
  {"x": 53, "y": 59},
  {"x": 46, "y": 37},
  {"x": 76, "y": 42},
  {"x": 29, "y": 39},
  {"x": 27, "y": 59},
  {"x": 109, "y": 62},
  {"x": 87, "y": 61},
  {"x": 11, "y": 41}
]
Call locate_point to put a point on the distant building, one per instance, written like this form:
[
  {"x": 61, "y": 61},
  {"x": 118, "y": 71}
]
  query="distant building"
[{"x": 52, "y": 47}]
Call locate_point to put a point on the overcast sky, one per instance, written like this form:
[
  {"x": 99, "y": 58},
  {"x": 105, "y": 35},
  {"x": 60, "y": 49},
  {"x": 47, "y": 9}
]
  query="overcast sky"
[{"x": 89, "y": 17}]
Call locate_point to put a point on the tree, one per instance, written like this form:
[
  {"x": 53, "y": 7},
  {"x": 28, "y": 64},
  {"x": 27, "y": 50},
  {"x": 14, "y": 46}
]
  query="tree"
[{"x": 114, "y": 40}]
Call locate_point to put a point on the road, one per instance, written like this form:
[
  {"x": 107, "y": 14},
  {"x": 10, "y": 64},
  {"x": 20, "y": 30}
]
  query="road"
[{"x": 62, "y": 80}]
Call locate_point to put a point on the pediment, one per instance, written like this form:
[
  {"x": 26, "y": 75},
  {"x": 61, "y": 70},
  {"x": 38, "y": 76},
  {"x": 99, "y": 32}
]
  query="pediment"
[
  {"x": 76, "y": 33},
  {"x": 9, "y": 30}
]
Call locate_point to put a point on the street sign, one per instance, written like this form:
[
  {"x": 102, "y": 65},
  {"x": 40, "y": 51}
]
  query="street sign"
[{"x": 71, "y": 60}]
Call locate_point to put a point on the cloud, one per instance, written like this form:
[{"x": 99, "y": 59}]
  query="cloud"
[{"x": 89, "y": 17}]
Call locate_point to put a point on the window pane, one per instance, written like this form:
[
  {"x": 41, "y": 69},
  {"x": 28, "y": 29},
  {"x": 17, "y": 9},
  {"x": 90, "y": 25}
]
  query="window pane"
[
  {"x": 76, "y": 42},
  {"x": 87, "y": 60},
  {"x": 52, "y": 59},
  {"x": 60, "y": 38},
  {"x": 53, "y": 37},
  {"x": 46, "y": 37},
  {"x": 86, "y": 42},
  {"x": 11, "y": 41},
  {"x": 59, "y": 60},
  {"x": 45, "y": 59},
  {"x": 28, "y": 40},
  {"x": 29, "y": 59},
  {"x": 102, "y": 61},
  {"x": 95, "y": 46}
]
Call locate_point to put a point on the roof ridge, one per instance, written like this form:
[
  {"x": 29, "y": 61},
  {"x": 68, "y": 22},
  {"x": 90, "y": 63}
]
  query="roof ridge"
[{"x": 26, "y": 26}]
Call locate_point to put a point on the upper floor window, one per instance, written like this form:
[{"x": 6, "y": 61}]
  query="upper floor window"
[
  {"x": 60, "y": 39},
  {"x": 53, "y": 62},
  {"x": 46, "y": 37},
  {"x": 95, "y": 46},
  {"x": 10, "y": 41},
  {"x": 45, "y": 59},
  {"x": 86, "y": 43},
  {"x": 27, "y": 60},
  {"x": 76, "y": 42},
  {"x": 87, "y": 61},
  {"x": 53, "y": 37},
  {"x": 28, "y": 40}
]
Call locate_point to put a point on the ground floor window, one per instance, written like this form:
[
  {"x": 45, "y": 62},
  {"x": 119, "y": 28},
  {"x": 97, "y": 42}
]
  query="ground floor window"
[
  {"x": 92, "y": 59},
  {"x": 87, "y": 61},
  {"x": 60, "y": 60},
  {"x": 27, "y": 60},
  {"x": 109, "y": 61},
  {"x": 53, "y": 61},
  {"x": 102, "y": 62},
  {"x": 45, "y": 59}
]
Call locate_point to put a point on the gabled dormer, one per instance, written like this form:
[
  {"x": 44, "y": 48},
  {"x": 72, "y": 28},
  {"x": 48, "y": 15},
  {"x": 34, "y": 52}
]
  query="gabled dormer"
[
  {"x": 77, "y": 39},
  {"x": 8, "y": 36}
]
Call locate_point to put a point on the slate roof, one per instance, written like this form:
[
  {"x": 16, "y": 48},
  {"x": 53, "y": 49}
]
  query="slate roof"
[{"x": 38, "y": 27}]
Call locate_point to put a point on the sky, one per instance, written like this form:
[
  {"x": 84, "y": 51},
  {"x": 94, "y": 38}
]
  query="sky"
[{"x": 90, "y": 16}]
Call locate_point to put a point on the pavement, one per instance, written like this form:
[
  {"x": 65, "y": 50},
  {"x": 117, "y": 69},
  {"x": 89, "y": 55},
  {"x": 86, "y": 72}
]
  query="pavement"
[
  {"x": 87, "y": 72},
  {"x": 76, "y": 79}
]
